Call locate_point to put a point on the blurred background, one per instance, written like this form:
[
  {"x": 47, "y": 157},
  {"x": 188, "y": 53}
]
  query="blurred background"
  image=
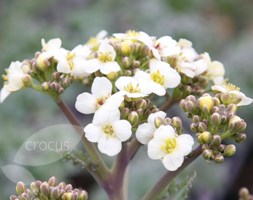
[{"x": 224, "y": 28}]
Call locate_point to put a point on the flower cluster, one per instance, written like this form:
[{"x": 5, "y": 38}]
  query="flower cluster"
[
  {"x": 48, "y": 190},
  {"x": 214, "y": 119},
  {"x": 127, "y": 71}
]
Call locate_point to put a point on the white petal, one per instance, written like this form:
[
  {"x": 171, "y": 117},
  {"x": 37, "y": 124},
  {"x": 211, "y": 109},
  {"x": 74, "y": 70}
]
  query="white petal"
[
  {"x": 219, "y": 88},
  {"x": 109, "y": 67},
  {"x": 245, "y": 101},
  {"x": 173, "y": 161},
  {"x": 154, "y": 150},
  {"x": 115, "y": 100},
  {"x": 156, "y": 88},
  {"x": 141, "y": 75},
  {"x": 106, "y": 115},
  {"x": 92, "y": 65},
  {"x": 105, "y": 47},
  {"x": 164, "y": 132},
  {"x": 92, "y": 132},
  {"x": 145, "y": 133},
  {"x": 86, "y": 103},
  {"x": 109, "y": 145},
  {"x": 160, "y": 114},
  {"x": 63, "y": 66},
  {"x": 200, "y": 67},
  {"x": 101, "y": 87},
  {"x": 184, "y": 144},
  {"x": 4, "y": 94},
  {"x": 122, "y": 129}
]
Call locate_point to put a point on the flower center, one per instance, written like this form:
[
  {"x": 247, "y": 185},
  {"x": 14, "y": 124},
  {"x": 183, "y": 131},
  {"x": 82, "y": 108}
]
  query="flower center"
[
  {"x": 132, "y": 89},
  {"x": 157, "y": 77},
  {"x": 169, "y": 145},
  {"x": 231, "y": 87},
  {"x": 104, "y": 57},
  {"x": 108, "y": 130},
  {"x": 100, "y": 101},
  {"x": 70, "y": 58},
  {"x": 4, "y": 77},
  {"x": 132, "y": 33}
]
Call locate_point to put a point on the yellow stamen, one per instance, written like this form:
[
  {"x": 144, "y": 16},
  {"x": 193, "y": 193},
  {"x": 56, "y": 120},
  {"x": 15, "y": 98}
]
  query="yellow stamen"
[
  {"x": 70, "y": 57},
  {"x": 157, "y": 77},
  {"x": 108, "y": 130},
  {"x": 4, "y": 77},
  {"x": 169, "y": 145},
  {"x": 104, "y": 57},
  {"x": 131, "y": 89},
  {"x": 231, "y": 87}
]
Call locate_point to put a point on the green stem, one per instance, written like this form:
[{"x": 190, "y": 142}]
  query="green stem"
[
  {"x": 225, "y": 135},
  {"x": 100, "y": 172},
  {"x": 169, "y": 176}
]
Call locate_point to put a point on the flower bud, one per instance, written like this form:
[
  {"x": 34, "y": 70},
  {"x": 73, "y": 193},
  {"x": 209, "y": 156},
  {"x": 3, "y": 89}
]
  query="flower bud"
[
  {"x": 229, "y": 150},
  {"x": 126, "y": 47},
  {"x": 216, "y": 101},
  {"x": 27, "y": 80},
  {"x": 52, "y": 181},
  {"x": 205, "y": 137},
  {"x": 195, "y": 119},
  {"x": 202, "y": 127},
  {"x": 232, "y": 108},
  {"x": 55, "y": 193},
  {"x": 177, "y": 122},
  {"x": 20, "y": 188},
  {"x": 216, "y": 119},
  {"x": 206, "y": 103},
  {"x": 82, "y": 195},
  {"x": 133, "y": 117},
  {"x": 128, "y": 73},
  {"x": 35, "y": 188},
  {"x": 244, "y": 193},
  {"x": 67, "y": 196},
  {"x": 44, "y": 189},
  {"x": 126, "y": 62},
  {"x": 228, "y": 98},
  {"x": 42, "y": 63},
  {"x": 207, "y": 154},
  {"x": 112, "y": 76},
  {"x": 190, "y": 106},
  {"x": 136, "y": 64},
  {"x": 194, "y": 127},
  {"x": 68, "y": 188},
  {"x": 141, "y": 103},
  {"x": 221, "y": 148},
  {"x": 125, "y": 112},
  {"x": 182, "y": 105},
  {"x": 24, "y": 196},
  {"x": 219, "y": 158},
  {"x": 158, "y": 122},
  {"x": 216, "y": 140},
  {"x": 13, "y": 197},
  {"x": 45, "y": 86},
  {"x": 191, "y": 98},
  {"x": 236, "y": 124},
  {"x": 241, "y": 137}
]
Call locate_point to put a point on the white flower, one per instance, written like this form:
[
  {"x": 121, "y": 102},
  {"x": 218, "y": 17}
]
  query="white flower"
[
  {"x": 101, "y": 92},
  {"x": 169, "y": 147},
  {"x": 14, "y": 80},
  {"x": 145, "y": 131},
  {"x": 131, "y": 87},
  {"x": 215, "y": 70},
  {"x": 73, "y": 61},
  {"x": 108, "y": 131},
  {"x": 160, "y": 77},
  {"x": 94, "y": 42},
  {"x": 51, "y": 48},
  {"x": 105, "y": 62},
  {"x": 167, "y": 46},
  {"x": 231, "y": 94}
]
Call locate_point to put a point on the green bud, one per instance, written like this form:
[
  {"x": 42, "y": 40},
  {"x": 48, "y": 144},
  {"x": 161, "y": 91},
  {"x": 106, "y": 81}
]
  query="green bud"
[
  {"x": 42, "y": 63},
  {"x": 216, "y": 119},
  {"x": 205, "y": 137},
  {"x": 182, "y": 105},
  {"x": 82, "y": 195},
  {"x": 125, "y": 112},
  {"x": 52, "y": 181},
  {"x": 126, "y": 62},
  {"x": 27, "y": 80},
  {"x": 232, "y": 108},
  {"x": 216, "y": 140},
  {"x": 45, "y": 86},
  {"x": 34, "y": 188},
  {"x": 136, "y": 64},
  {"x": 158, "y": 122},
  {"x": 133, "y": 117},
  {"x": 219, "y": 158},
  {"x": 20, "y": 188},
  {"x": 229, "y": 150},
  {"x": 128, "y": 73},
  {"x": 177, "y": 122},
  {"x": 221, "y": 148},
  {"x": 67, "y": 196},
  {"x": 142, "y": 103}
]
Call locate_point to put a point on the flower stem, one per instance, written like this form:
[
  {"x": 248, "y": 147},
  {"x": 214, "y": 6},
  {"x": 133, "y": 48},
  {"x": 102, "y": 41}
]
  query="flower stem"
[
  {"x": 169, "y": 176},
  {"x": 99, "y": 171}
]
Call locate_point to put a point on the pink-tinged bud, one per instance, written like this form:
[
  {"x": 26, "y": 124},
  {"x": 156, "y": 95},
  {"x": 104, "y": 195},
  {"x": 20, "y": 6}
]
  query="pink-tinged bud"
[
  {"x": 13, "y": 197},
  {"x": 207, "y": 154},
  {"x": 202, "y": 127},
  {"x": 133, "y": 117},
  {"x": 232, "y": 108},
  {"x": 52, "y": 181},
  {"x": 244, "y": 194},
  {"x": 44, "y": 189},
  {"x": 126, "y": 62},
  {"x": 27, "y": 80},
  {"x": 190, "y": 106},
  {"x": 216, "y": 119},
  {"x": 216, "y": 140},
  {"x": 42, "y": 63},
  {"x": 82, "y": 195},
  {"x": 241, "y": 137},
  {"x": 219, "y": 158},
  {"x": 55, "y": 193},
  {"x": 191, "y": 98},
  {"x": 216, "y": 101},
  {"x": 196, "y": 119},
  {"x": 136, "y": 64},
  {"x": 194, "y": 127},
  {"x": 68, "y": 188},
  {"x": 20, "y": 188},
  {"x": 176, "y": 122}
]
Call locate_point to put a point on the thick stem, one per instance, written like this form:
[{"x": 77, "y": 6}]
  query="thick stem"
[
  {"x": 100, "y": 171},
  {"x": 133, "y": 147},
  {"x": 169, "y": 176}
]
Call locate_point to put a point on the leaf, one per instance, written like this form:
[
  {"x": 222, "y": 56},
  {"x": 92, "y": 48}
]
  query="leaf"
[
  {"x": 16, "y": 173},
  {"x": 46, "y": 145},
  {"x": 179, "y": 189}
]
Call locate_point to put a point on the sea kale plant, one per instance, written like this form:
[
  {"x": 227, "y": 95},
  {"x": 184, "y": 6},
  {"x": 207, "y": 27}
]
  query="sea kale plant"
[{"x": 134, "y": 79}]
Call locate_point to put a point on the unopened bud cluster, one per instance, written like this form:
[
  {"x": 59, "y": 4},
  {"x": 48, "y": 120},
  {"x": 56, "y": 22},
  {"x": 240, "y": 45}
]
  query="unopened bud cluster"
[
  {"x": 48, "y": 190},
  {"x": 213, "y": 121}
]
